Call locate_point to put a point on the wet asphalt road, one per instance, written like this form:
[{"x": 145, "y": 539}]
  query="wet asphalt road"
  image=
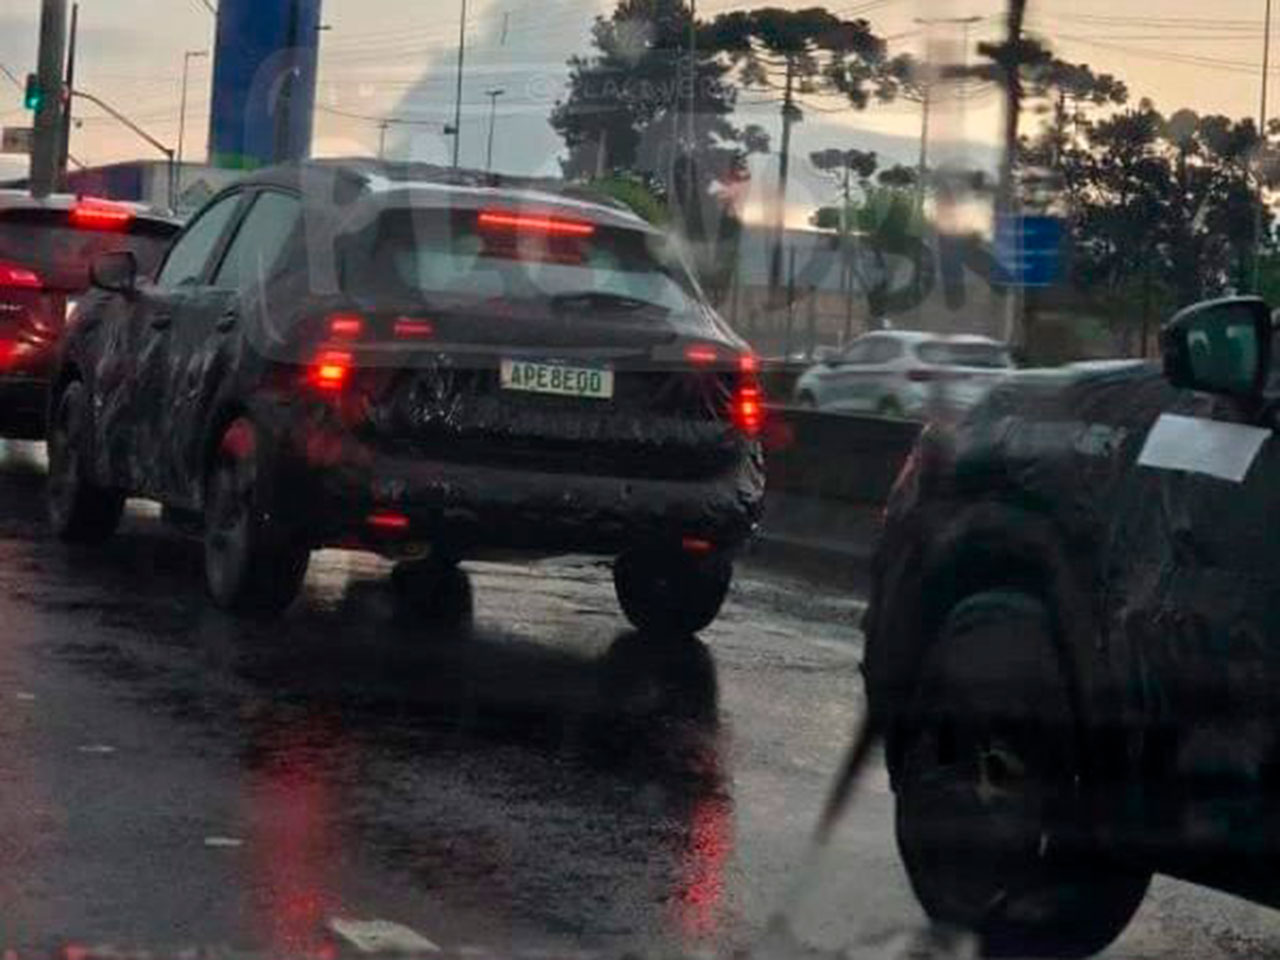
[{"x": 538, "y": 778}]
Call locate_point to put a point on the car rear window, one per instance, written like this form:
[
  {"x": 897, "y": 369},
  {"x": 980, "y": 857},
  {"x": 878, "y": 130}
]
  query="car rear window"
[
  {"x": 44, "y": 241},
  {"x": 456, "y": 255},
  {"x": 947, "y": 354}
]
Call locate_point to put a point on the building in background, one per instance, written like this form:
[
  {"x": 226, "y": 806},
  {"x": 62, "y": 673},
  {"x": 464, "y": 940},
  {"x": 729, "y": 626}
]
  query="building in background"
[{"x": 264, "y": 82}]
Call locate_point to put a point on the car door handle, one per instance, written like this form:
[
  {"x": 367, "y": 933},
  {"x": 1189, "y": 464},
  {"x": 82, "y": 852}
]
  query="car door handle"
[
  {"x": 227, "y": 321},
  {"x": 161, "y": 321}
]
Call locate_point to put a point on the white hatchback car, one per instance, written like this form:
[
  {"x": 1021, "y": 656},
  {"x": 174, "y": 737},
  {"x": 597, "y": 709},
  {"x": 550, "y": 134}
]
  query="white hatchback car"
[{"x": 902, "y": 373}]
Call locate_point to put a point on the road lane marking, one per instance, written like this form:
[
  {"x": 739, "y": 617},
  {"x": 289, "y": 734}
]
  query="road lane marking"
[
  {"x": 99, "y": 748},
  {"x": 24, "y": 696},
  {"x": 380, "y": 936},
  {"x": 223, "y": 843}
]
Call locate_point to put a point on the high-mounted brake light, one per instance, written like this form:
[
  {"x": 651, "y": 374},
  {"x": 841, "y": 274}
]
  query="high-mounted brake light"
[
  {"x": 12, "y": 275},
  {"x": 502, "y": 220},
  {"x": 100, "y": 215},
  {"x": 701, "y": 354},
  {"x": 409, "y": 329},
  {"x": 346, "y": 326},
  {"x": 331, "y": 370}
]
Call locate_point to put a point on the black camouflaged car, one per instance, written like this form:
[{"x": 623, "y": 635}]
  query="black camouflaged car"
[
  {"x": 1073, "y": 640},
  {"x": 435, "y": 365}
]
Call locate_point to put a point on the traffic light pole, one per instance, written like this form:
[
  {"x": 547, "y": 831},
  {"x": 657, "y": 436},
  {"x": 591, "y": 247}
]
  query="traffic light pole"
[
  {"x": 46, "y": 147},
  {"x": 64, "y": 146}
]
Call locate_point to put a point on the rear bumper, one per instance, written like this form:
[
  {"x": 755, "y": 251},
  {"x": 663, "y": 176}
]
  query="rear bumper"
[
  {"x": 466, "y": 508},
  {"x": 23, "y": 407}
]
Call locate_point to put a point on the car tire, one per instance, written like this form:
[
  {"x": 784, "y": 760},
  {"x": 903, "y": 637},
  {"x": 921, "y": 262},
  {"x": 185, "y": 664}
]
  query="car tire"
[
  {"x": 671, "y": 593},
  {"x": 79, "y": 510},
  {"x": 435, "y": 590},
  {"x": 807, "y": 401},
  {"x": 989, "y": 821},
  {"x": 252, "y": 564}
]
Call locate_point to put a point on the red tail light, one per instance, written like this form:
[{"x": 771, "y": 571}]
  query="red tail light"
[
  {"x": 346, "y": 326},
  {"x": 748, "y": 408},
  {"x": 505, "y": 220},
  {"x": 749, "y": 363},
  {"x": 12, "y": 275},
  {"x": 90, "y": 214},
  {"x": 331, "y": 370},
  {"x": 408, "y": 329},
  {"x": 388, "y": 522},
  {"x": 702, "y": 354}
]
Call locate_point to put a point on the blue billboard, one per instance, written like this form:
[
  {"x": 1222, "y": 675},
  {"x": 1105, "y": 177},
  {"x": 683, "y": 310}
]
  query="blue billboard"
[{"x": 264, "y": 82}]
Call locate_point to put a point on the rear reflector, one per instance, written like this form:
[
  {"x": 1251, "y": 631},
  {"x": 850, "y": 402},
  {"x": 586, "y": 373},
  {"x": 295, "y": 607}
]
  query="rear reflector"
[
  {"x": 331, "y": 370},
  {"x": 100, "y": 215},
  {"x": 407, "y": 329},
  {"x": 12, "y": 275},
  {"x": 346, "y": 326},
  {"x": 501, "y": 220},
  {"x": 696, "y": 545},
  {"x": 388, "y": 522}
]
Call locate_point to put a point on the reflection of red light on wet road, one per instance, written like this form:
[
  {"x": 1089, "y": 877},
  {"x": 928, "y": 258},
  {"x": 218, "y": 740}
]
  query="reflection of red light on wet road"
[
  {"x": 294, "y": 849},
  {"x": 701, "y": 890}
]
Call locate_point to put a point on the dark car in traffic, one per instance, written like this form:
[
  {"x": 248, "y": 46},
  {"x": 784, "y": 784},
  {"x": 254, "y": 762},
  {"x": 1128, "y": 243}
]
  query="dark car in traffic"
[
  {"x": 46, "y": 247},
  {"x": 1073, "y": 640},
  {"x": 434, "y": 365}
]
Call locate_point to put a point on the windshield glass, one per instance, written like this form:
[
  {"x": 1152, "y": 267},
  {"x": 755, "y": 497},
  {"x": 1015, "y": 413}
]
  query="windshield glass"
[
  {"x": 453, "y": 256},
  {"x": 952, "y": 354}
]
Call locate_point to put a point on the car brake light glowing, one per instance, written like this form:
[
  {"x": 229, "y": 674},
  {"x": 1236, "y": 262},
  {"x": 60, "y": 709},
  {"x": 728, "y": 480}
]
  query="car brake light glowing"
[
  {"x": 702, "y": 354},
  {"x": 408, "y": 329},
  {"x": 12, "y": 275},
  {"x": 696, "y": 545},
  {"x": 501, "y": 220},
  {"x": 748, "y": 409},
  {"x": 100, "y": 215},
  {"x": 346, "y": 326},
  {"x": 749, "y": 363},
  {"x": 331, "y": 370},
  {"x": 387, "y": 521}
]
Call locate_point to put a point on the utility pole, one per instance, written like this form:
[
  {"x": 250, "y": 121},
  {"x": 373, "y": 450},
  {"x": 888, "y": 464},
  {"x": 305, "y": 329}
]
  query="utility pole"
[
  {"x": 493, "y": 93},
  {"x": 1007, "y": 198},
  {"x": 64, "y": 144},
  {"x": 1262, "y": 148},
  {"x": 382, "y": 139},
  {"x": 784, "y": 165},
  {"x": 182, "y": 111},
  {"x": 457, "y": 96},
  {"x": 46, "y": 148}
]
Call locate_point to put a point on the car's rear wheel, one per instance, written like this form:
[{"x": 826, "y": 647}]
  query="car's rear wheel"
[
  {"x": 79, "y": 510},
  {"x": 807, "y": 401},
  {"x": 989, "y": 820},
  {"x": 252, "y": 564},
  {"x": 890, "y": 407},
  {"x": 671, "y": 592}
]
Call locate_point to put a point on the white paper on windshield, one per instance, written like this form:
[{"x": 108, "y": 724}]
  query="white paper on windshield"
[{"x": 1222, "y": 450}]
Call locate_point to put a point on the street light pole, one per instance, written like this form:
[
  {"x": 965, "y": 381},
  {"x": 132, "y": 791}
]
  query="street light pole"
[
  {"x": 182, "y": 111},
  {"x": 457, "y": 99},
  {"x": 493, "y": 93},
  {"x": 1262, "y": 146}
]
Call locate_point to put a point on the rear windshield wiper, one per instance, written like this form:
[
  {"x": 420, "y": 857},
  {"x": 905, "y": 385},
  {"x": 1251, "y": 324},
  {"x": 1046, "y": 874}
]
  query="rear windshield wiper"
[{"x": 600, "y": 300}]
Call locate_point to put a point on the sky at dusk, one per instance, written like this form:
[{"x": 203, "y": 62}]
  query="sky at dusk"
[{"x": 396, "y": 58}]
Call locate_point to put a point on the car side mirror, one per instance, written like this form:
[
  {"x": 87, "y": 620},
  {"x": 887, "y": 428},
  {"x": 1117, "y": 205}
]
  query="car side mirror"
[
  {"x": 116, "y": 271},
  {"x": 1222, "y": 347}
]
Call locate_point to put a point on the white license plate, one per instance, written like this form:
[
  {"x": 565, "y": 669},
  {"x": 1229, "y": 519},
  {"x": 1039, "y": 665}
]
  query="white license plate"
[{"x": 557, "y": 378}]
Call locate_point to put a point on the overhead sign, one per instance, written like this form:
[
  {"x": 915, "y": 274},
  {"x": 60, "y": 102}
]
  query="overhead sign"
[
  {"x": 16, "y": 139},
  {"x": 1028, "y": 251}
]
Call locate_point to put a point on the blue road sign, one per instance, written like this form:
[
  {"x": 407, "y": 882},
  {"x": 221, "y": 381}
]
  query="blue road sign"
[{"x": 1028, "y": 251}]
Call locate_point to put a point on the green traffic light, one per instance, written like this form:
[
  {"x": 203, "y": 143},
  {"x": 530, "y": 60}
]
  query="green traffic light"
[{"x": 33, "y": 98}]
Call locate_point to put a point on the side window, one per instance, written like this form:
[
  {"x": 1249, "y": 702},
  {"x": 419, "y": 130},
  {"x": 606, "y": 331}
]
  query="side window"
[
  {"x": 190, "y": 255},
  {"x": 858, "y": 352},
  {"x": 260, "y": 241},
  {"x": 887, "y": 351}
]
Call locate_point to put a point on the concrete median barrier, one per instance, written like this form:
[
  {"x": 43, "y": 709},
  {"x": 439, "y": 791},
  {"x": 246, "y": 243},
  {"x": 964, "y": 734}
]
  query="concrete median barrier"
[{"x": 829, "y": 478}]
